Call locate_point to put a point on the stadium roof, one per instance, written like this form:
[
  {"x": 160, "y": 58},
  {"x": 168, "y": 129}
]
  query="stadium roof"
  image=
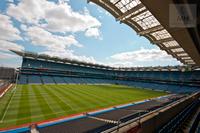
[
  {"x": 33, "y": 55},
  {"x": 150, "y": 18}
]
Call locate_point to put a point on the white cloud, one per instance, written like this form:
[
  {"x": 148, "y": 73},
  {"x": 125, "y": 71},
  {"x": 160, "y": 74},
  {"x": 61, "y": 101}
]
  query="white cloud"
[
  {"x": 144, "y": 57},
  {"x": 8, "y": 33},
  {"x": 41, "y": 37},
  {"x": 62, "y": 1},
  {"x": 123, "y": 64},
  {"x": 27, "y": 11},
  {"x": 69, "y": 54},
  {"x": 6, "y": 56},
  {"x": 63, "y": 18},
  {"x": 56, "y": 45},
  {"x": 23, "y": 27},
  {"x": 47, "y": 24},
  {"x": 10, "y": 1},
  {"x": 56, "y": 17},
  {"x": 93, "y": 32},
  {"x": 10, "y": 64},
  {"x": 7, "y": 30},
  {"x": 5, "y": 46}
]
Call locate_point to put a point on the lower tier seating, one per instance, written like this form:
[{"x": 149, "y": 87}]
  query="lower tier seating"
[
  {"x": 48, "y": 80},
  {"x": 34, "y": 79}
]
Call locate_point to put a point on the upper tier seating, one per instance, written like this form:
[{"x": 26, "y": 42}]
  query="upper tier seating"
[{"x": 152, "y": 75}]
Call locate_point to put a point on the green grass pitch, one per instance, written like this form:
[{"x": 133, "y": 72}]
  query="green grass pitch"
[{"x": 32, "y": 103}]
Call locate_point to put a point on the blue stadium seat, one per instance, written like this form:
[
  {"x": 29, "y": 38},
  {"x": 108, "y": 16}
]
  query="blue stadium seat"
[
  {"x": 48, "y": 80},
  {"x": 60, "y": 73},
  {"x": 22, "y": 79},
  {"x": 59, "y": 80},
  {"x": 34, "y": 79}
]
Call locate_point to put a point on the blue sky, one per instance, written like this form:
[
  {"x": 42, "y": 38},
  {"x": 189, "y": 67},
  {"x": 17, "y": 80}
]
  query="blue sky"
[{"x": 73, "y": 29}]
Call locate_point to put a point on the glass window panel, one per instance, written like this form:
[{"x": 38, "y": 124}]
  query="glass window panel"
[
  {"x": 170, "y": 44},
  {"x": 185, "y": 58},
  {"x": 162, "y": 34},
  {"x": 182, "y": 54},
  {"x": 177, "y": 50},
  {"x": 189, "y": 60},
  {"x": 125, "y": 5},
  {"x": 146, "y": 20}
]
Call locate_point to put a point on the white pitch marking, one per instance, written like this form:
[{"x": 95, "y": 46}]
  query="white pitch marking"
[{"x": 13, "y": 93}]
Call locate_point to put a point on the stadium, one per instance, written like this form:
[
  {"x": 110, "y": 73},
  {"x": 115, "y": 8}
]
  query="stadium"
[{"x": 50, "y": 94}]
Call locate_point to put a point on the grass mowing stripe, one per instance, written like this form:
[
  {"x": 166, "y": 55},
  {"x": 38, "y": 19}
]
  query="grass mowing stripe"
[
  {"x": 63, "y": 113},
  {"x": 118, "y": 93},
  {"x": 52, "y": 103},
  {"x": 62, "y": 97},
  {"x": 77, "y": 108},
  {"x": 81, "y": 91},
  {"x": 24, "y": 110},
  {"x": 108, "y": 97},
  {"x": 4, "y": 100},
  {"x": 71, "y": 96},
  {"x": 60, "y": 102},
  {"x": 112, "y": 99},
  {"x": 84, "y": 98},
  {"x": 105, "y": 93},
  {"x": 46, "y": 110},
  {"x": 93, "y": 96},
  {"x": 35, "y": 110},
  {"x": 7, "y": 106},
  {"x": 102, "y": 96},
  {"x": 44, "y": 100}
]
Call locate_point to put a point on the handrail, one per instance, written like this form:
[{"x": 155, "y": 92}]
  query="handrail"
[
  {"x": 180, "y": 117},
  {"x": 150, "y": 113}
]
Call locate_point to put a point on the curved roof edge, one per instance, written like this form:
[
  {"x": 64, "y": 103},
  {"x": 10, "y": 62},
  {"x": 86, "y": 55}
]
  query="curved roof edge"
[
  {"x": 135, "y": 14},
  {"x": 27, "y": 54}
]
